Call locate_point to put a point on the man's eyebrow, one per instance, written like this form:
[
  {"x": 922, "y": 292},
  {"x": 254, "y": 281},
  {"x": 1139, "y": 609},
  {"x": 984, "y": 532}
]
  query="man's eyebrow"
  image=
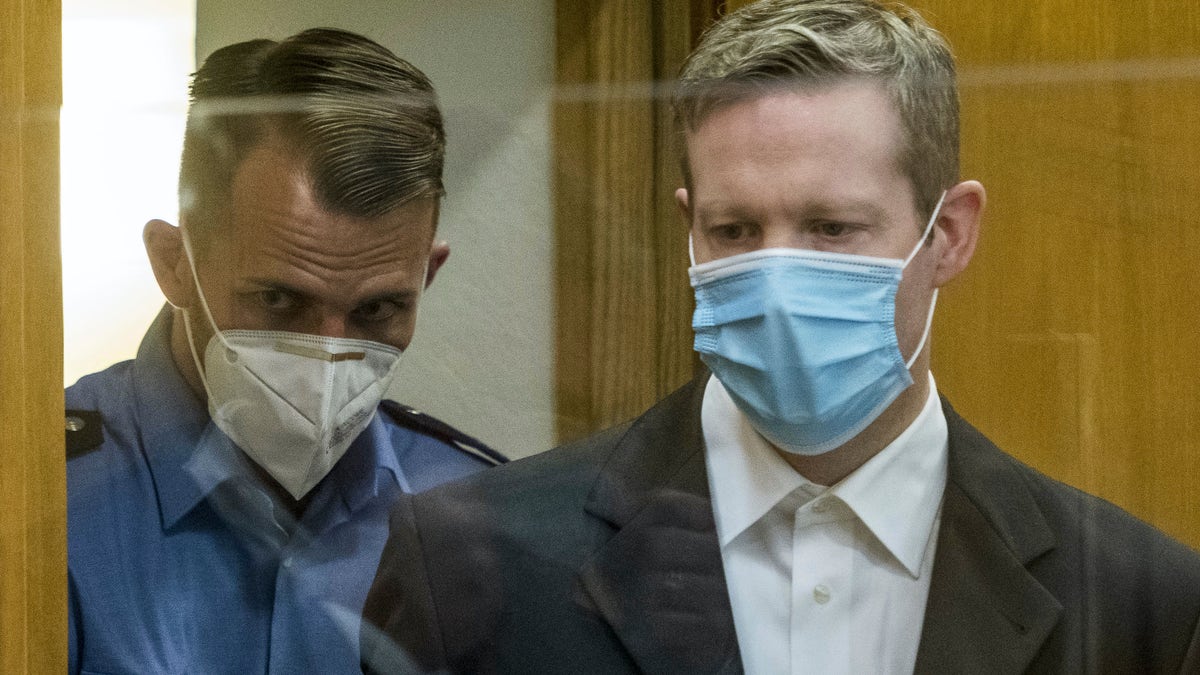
[
  {"x": 856, "y": 207},
  {"x": 725, "y": 210},
  {"x": 399, "y": 297},
  {"x": 721, "y": 210},
  {"x": 277, "y": 286},
  {"x": 389, "y": 296}
]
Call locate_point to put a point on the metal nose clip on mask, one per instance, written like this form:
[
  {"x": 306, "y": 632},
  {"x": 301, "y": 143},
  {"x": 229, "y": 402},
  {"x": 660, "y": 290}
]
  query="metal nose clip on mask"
[
  {"x": 293, "y": 402},
  {"x": 805, "y": 341}
]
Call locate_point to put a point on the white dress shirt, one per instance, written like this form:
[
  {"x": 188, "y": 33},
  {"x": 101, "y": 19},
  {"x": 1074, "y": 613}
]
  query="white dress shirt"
[{"x": 825, "y": 579}]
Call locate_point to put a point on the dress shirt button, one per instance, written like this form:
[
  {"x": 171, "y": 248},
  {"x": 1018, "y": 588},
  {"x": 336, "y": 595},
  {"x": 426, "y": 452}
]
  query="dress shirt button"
[
  {"x": 821, "y": 506},
  {"x": 821, "y": 594},
  {"x": 287, "y": 563}
]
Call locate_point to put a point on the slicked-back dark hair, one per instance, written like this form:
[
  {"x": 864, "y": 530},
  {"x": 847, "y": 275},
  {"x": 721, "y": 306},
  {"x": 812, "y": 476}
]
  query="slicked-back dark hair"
[{"x": 365, "y": 122}]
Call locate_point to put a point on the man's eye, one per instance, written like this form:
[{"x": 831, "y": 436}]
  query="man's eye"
[
  {"x": 277, "y": 301},
  {"x": 730, "y": 232},
  {"x": 378, "y": 310},
  {"x": 832, "y": 229}
]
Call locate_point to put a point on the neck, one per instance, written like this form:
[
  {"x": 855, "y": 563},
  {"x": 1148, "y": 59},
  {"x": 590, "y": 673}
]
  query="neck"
[{"x": 831, "y": 467}]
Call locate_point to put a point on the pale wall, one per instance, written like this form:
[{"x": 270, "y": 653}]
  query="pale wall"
[{"x": 125, "y": 75}]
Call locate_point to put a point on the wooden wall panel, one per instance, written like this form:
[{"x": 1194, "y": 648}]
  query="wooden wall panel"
[
  {"x": 622, "y": 296},
  {"x": 32, "y": 491},
  {"x": 605, "y": 67},
  {"x": 1071, "y": 340}
]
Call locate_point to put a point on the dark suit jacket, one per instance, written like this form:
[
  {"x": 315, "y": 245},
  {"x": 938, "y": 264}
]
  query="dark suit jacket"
[{"x": 602, "y": 557}]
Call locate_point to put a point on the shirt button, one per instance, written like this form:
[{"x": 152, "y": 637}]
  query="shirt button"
[
  {"x": 821, "y": 506},
  {"x": 821, "y": 594},
  {"x": 287, "y": 563}
]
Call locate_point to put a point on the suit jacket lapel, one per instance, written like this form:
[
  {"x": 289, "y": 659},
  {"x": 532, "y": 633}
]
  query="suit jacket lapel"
[
  {"x": 659, "y": 581},
  {"x": 985, "y": 613},
  {"x": 660, "y": 584}
]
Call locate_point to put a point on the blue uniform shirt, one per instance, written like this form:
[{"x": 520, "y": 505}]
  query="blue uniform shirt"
[{"x": 180, "y": 561}]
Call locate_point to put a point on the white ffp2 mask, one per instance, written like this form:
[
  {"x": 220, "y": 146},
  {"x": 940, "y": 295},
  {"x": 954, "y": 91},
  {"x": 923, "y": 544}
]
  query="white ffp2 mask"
[{"x": 293, "y": 402}]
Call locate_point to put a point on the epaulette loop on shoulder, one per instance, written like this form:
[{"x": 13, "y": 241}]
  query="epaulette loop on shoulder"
[
  {"x": 84, "y": 431},
  {"x": 412, "y": 418}
]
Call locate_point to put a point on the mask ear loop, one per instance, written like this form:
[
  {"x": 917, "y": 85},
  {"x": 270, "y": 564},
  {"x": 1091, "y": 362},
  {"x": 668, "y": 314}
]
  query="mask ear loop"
[
  {"x": 924, "y": 336},
  {"x": 691, "y": 251},
  {"x": 187, "y": 249},
  {"x": 932, "y": 301},
  {"x": 928, "y": 228},
  {"x": 187, "y": 316}
]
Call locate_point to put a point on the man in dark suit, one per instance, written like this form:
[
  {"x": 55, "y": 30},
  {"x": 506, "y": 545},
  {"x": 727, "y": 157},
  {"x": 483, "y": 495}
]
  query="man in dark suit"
[{"x": 812, "y": 504}]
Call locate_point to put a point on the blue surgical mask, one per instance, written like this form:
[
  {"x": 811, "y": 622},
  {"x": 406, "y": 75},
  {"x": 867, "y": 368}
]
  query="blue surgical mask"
[{"x": 805, "y": 341}]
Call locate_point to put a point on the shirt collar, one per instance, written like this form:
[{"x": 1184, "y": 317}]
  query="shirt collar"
[
  {"x": 189, "y": 456},
  {"x": 171, "y": 420},
  {"x": 370, "y": 467},
  {"x": 746, "y": 477},
  {"x": 896, "y": 494}
]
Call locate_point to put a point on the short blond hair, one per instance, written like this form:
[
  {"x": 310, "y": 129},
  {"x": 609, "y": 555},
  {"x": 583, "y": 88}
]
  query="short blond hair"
[{"x": 784, "y": 44}]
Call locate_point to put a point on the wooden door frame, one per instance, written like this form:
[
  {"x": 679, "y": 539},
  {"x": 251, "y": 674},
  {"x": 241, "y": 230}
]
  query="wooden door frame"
[
  {"x": 623, "y": 304},
  {"x": 33, "y": 542}
]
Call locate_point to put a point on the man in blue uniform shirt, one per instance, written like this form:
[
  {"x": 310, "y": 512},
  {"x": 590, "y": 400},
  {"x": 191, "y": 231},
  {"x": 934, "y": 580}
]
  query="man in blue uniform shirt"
[{"x": 228, "y": 488}]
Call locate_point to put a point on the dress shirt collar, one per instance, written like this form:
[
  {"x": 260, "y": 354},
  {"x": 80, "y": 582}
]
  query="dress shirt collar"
[
  {"x": 189, "y": 457},
  {"x": 896, "y": 494},
  {"x": 746, "y": 477}
]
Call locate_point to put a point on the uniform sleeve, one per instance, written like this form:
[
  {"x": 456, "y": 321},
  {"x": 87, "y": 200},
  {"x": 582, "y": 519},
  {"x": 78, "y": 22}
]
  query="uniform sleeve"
[{"x": 400, "y": 632}]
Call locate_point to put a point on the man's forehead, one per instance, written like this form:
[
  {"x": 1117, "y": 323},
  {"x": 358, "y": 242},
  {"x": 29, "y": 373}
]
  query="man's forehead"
[
  {"x": 322, "y": 275},
  {"x": 852, "y": 120}
]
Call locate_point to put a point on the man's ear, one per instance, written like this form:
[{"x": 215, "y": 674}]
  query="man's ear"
[
  {"x": 164, "y": 247},
  {"x": 685, "y": 206},
  {"x": 958, "y": 225},
  {"x": 439, "y": 253}
]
